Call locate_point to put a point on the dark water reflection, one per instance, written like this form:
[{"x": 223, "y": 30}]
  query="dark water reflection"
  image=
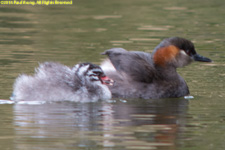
[{"x": 118, "y": 125}]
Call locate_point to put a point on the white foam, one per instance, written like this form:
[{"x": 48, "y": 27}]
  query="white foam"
[
  {"x": 189, "y": 97},
  {"x": 4, "y": 101}
]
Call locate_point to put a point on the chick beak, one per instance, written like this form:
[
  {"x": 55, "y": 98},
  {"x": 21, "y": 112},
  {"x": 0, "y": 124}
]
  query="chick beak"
[
  {"x": 106, "y": 80},
  {"x": 198, "y": 57}
]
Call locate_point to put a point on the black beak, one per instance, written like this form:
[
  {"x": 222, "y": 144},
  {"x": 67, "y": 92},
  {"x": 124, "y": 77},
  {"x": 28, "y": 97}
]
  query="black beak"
[{"x": 198, "y": 57}]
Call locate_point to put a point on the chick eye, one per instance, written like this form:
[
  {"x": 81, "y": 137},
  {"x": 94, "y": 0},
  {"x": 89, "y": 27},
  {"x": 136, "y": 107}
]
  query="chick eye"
[
  {"x": 94, "y": 74},
  {"x": 97, "y": 72}
]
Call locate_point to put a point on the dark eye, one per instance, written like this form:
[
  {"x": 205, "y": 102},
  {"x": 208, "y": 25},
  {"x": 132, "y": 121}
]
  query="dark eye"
[
  {"x": 99, "y": 73},
  {"x": 188, "y": 52}
]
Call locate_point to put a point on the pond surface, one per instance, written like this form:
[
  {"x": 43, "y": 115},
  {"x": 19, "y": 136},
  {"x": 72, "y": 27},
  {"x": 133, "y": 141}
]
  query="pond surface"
[{"x": 79, "y": 33}]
